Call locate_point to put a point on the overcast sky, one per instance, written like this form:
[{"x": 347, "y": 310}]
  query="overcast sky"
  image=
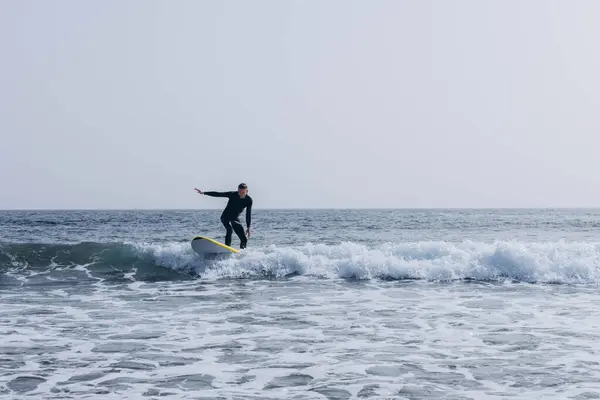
[{"x": 132, "y": 104}]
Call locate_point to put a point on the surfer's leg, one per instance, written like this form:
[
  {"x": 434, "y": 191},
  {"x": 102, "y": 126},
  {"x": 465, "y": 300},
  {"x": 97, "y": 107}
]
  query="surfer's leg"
[
  {"x": 229, "y": 231},
  {"x": 239, "y": 230}
]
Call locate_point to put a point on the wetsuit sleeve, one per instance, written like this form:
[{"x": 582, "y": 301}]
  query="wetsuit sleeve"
[
  {"x": 249, "y": 213},
  {"x": 218, "y": 194}
]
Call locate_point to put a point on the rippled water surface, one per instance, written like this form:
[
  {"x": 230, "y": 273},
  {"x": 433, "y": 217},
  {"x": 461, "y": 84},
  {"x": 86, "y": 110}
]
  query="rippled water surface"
[{"x": 470, "y": 304}]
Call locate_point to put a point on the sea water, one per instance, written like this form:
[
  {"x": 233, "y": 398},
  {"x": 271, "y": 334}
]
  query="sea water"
[{"x": 324, "y": 304}]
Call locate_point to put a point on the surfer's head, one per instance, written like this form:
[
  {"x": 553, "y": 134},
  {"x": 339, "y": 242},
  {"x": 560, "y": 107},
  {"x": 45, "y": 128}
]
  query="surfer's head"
[{"x": 242, "y": 189}]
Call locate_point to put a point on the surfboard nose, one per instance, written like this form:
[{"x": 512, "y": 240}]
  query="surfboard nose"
[{"x": 204, "y": 245}]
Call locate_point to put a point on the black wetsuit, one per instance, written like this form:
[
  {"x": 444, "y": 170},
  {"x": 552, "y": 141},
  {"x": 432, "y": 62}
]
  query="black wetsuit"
[{"x": 231, "y": 215}]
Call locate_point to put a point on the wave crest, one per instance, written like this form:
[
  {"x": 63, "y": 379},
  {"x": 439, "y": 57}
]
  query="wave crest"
[
  {"x": 551, "y": 262},
  {"x": 438, "y": 261}
]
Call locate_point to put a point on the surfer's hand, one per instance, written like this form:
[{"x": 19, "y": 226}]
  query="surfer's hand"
[
  {"x": 248, "y": 233},
  {"x": 198, "y": 190}
]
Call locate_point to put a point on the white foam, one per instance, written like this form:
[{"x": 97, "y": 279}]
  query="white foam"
[
  {"x": 552, "y": 262},
  {"x": 173, "y": 255},
  {"x": 339, "y": 335}
]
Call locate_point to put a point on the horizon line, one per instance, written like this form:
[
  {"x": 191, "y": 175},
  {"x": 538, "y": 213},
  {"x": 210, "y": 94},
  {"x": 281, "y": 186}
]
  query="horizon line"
[{"x": 312, "y": 208}]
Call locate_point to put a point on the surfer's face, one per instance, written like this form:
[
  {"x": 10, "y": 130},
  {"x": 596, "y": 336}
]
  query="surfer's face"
[{"x": 242, "y": 192}]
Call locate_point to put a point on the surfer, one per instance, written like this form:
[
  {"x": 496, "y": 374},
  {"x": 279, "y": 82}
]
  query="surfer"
[{"x": 231, "y": 215}]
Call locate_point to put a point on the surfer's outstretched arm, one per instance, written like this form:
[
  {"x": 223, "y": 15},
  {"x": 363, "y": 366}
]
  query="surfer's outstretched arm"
[
  {"x": 217, "y": 194},
  {"x": 214, "y": 194}
]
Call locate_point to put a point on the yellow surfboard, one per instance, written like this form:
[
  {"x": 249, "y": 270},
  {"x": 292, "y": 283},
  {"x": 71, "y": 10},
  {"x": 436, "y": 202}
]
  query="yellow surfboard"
[{"x": 204, "y": 246}]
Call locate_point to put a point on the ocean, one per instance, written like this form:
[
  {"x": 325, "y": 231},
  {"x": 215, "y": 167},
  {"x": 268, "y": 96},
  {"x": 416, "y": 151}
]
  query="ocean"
[{"x": 323, "y": 304}]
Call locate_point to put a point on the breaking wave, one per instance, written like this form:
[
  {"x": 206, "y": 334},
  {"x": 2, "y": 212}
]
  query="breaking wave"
[{"x": 551, "y": 262}]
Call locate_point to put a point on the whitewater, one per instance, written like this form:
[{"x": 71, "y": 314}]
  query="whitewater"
[{"x": 324, "y": 304}]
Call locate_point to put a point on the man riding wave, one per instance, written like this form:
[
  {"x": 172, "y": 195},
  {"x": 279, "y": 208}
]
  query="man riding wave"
[{"x": 238, "y": 200}]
